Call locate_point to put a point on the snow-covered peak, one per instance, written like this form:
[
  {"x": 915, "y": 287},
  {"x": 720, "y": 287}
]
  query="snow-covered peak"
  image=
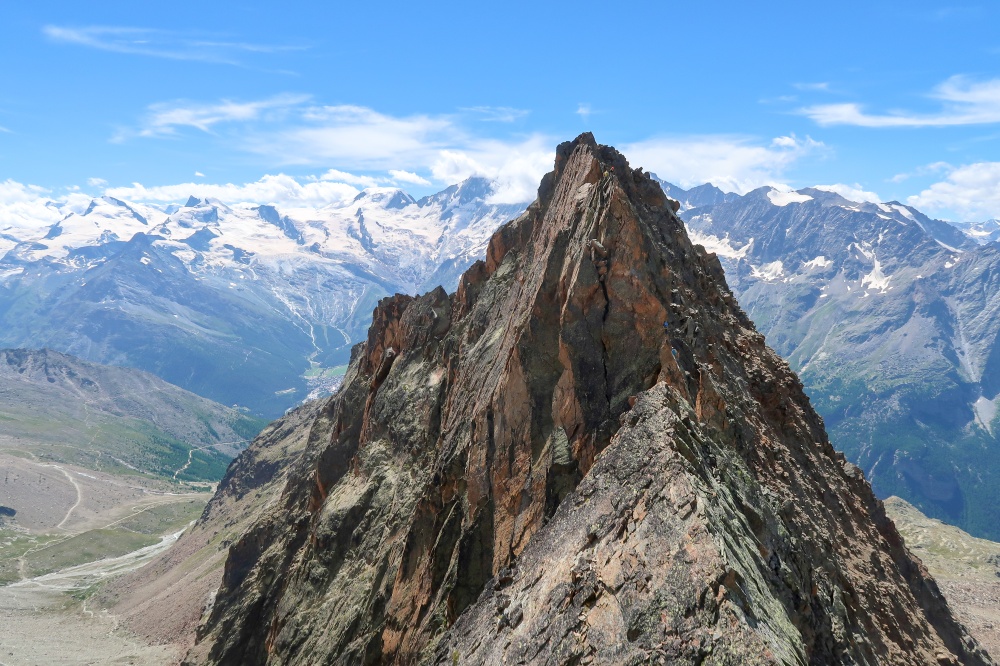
[
  {"x": 384, "y": 230},
  {"x": 475, "y": 189},
  {"x": 981, "y": 232},
  {"x": 384, "y": 197}
]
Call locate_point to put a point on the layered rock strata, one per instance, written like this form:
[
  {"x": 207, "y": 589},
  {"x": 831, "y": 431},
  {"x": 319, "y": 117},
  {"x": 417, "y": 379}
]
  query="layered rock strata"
[{"x": 582, "y": 456}]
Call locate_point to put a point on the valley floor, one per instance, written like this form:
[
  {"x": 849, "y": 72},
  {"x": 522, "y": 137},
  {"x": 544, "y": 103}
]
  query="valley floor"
[
  {"x": 74, "y": 530},
  {"x": 46, "y": 622}
]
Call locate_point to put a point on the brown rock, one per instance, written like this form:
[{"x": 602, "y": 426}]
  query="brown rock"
[{"x": 498, "y": 455}]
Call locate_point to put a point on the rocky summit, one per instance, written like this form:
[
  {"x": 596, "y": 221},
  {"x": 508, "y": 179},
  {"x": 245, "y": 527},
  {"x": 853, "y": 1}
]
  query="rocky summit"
[{"x": 586, "y": 454}]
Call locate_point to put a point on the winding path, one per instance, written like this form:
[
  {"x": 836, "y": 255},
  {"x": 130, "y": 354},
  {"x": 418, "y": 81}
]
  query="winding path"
[{"x": 79, "y": 496}]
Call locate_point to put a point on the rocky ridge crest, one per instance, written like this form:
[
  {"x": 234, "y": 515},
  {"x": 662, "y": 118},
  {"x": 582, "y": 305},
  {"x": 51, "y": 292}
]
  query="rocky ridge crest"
[{"x": 586, "y": 454}]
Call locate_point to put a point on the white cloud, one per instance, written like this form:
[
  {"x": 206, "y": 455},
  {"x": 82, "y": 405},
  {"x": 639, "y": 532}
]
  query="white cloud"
[
  {"x": 97, "y": 182},
  {"x": 12, "y": 191},
  {"x": 964, "y": 102},
  {"x": 408, "y": 177},
  {"x": 853, "y": 192},
  {"x": 199, "y": 174},
  {"x": 4, "y": 130},
  {"x": 972, "y": 190},
  {"x": 374, "y": 141},
  {"x": 351, "y": 179},
  {"x": 32, "y": 207},
  {"x": 277, "y": 189},
  {"x": 164, "y": 119},
  {"x": 583, "y": 110},
  {"x": 160, "y": 43},
  {"x": 736, "y": 164},
  {"x": 516, "y": 168}
]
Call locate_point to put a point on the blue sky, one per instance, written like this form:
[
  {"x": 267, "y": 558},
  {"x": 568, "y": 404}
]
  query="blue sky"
[{"x": 299, "y": 102}]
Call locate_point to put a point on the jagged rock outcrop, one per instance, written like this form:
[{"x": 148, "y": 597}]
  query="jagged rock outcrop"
[{"x": 576, "y": 458}]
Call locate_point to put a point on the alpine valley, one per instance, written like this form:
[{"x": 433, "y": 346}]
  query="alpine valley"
[{"x": 243, "y": 304}]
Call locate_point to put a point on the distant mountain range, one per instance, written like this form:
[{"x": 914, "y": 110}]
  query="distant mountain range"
[
  {"x": 888, "y": 315},
  {"x": 56, "y": 408},
  {"x": 892, "y": 321},
  {"x": 244, "y": 304}
]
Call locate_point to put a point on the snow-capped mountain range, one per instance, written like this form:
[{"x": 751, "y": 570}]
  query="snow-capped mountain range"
[
  {"x": 889, "y": 316},
  {"x": 245, "y": 304},
  {"x": 892, "y": 321}
]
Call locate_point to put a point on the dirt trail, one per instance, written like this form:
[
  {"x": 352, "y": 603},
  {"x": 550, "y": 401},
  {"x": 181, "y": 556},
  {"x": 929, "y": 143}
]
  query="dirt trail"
[
  {"x": 192, "y": 451},
  {"x": 79, "y": 495}
]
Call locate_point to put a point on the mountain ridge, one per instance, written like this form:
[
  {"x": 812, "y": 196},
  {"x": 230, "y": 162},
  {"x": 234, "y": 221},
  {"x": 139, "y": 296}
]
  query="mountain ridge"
[
  {"x": 193, "y": 292},
  {"x": 586, "y": 453},
  {"x": 120, "y": 420}
]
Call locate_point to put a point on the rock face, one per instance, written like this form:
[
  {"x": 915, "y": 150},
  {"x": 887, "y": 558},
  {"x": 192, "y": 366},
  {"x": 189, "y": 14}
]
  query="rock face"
[{"x": 585, "y": 455}]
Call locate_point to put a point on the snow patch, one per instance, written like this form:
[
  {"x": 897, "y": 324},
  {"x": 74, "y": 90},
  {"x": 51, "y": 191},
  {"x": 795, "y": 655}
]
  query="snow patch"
[
  {"x": 904, "y": 212},
  {"x": 720, "y": 246},
  {"x": 986, "y": 411},
  {"x": 771, "y": 271},
  {"x": 819, "y": 262},
  {"x": 779, "y": 198},
  {"x": 949, "y": 247},
  {"x": 877, "y": 279}
]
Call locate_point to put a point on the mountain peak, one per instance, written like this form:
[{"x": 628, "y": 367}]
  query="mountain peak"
[
  {"x": 586, "y": 452},
  {"x": 385, "y": 197}
]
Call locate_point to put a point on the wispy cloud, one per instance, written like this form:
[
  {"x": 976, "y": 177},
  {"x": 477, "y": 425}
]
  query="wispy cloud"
[
  {"x": 497, "y": 114},
  {"x": 97, "y": 182},
  {"x": 584, "y": 110},
  {"x": 4, "y": 130},
  {"x": 812, "y": 87},
  {"x": 936, "y": 167},
  {"x": 963, "y": 102},
  {"x": 165, "y": 119},
  {"x": 733, "y": 163},
  {"x": 161, "y": 43}
]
